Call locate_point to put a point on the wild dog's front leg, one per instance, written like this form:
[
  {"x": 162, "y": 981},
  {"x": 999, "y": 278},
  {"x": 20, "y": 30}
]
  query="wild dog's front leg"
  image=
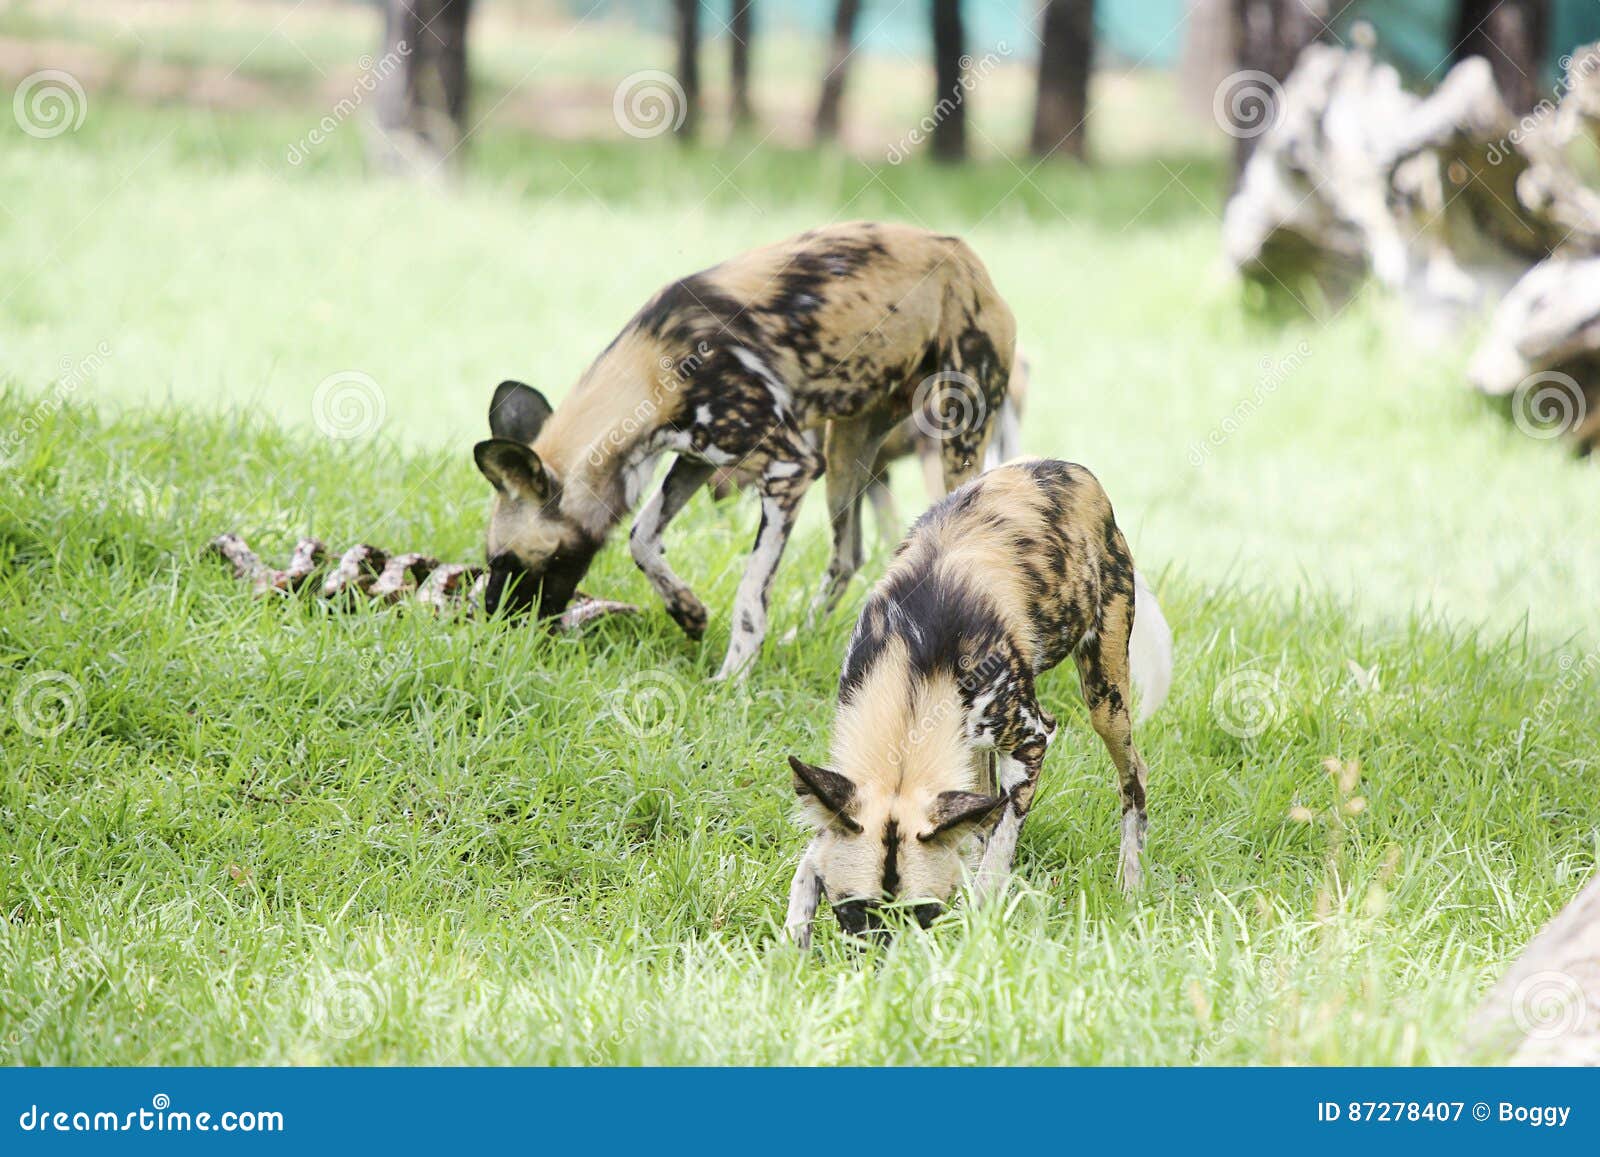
[
  {"x": 791, "y": 465},
  {"x": 805, "y": 894},
  {"x": 1018, "y": 780},
  {"x": 644, "y": 542}
]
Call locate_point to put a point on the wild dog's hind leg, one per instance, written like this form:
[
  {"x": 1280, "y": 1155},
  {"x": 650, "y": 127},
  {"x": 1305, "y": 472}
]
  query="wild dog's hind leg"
[
  {"x": 644, "y": 542},
  {"x": 850, "y": 452},
  {"x": 789, "y": 467},
  {"x": 966, "y": 407},
  {"x": 1102, "y": 659}
]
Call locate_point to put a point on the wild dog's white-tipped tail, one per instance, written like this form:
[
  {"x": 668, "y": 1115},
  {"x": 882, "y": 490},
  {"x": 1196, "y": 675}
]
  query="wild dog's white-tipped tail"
[{"x": 1149, "y": 649}]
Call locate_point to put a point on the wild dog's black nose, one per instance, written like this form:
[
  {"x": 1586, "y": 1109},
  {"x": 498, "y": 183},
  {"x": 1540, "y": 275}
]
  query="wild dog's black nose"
[
  {"x": 861, "y": 919},
  {"x": 928, "y": 913},
  {"x": 510, "y": 589}
]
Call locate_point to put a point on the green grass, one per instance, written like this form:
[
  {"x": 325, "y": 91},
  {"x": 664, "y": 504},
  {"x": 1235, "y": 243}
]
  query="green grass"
[{"x": 266, "y": 832}]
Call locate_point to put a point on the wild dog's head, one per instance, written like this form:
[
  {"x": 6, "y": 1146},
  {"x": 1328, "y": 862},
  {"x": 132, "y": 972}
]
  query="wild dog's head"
[
  {"x": 537, "y": 556},
  {"x": 877, "y": 852}
]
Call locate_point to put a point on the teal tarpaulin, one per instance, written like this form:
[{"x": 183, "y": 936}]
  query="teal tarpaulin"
[{"x": 1415, "y": 34}]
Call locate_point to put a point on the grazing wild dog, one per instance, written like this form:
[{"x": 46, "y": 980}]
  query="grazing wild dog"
[
  {"x": 735, "y": 366},
  {"x": 995, "y": 585}
]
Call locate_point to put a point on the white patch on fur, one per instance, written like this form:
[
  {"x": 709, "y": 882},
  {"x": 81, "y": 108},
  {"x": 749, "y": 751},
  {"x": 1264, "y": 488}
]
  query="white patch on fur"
[{"x": 780, "y": 392}]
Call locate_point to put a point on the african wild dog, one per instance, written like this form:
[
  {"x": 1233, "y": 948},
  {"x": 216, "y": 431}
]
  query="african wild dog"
[
  {"x": 832, "y": 329},
  {"x": 995, "y": 585}
]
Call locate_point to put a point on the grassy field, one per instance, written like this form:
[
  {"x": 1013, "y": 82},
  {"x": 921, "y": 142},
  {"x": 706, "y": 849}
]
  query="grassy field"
[{"x": 238, "y": 832}]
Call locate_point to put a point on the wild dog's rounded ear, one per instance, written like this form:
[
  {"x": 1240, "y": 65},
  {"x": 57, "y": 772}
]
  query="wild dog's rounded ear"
[
  {"x": 518, "y": 412},
  {"x": 955, "y": 809},
  {"x": 513, "y": 469},
  {"x": 832, "y": 791}
]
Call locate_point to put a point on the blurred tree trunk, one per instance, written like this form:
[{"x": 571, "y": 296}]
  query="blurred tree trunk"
[
  {"x": 688, "y": 29},
  {"x": 1510, "y": 35},
  {"x": 826, "y": 125},
  {"x": 1267, "y": 37},
  {"x": 949, "y": 109},
  {"x": 423, "y": 82},
  {"x": 742, "y": 33},
  {"x": 1061, "y": 109}
]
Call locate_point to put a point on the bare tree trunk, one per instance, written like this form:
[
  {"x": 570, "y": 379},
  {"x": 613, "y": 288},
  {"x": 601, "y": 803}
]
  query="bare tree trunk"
[
  {"x": 950, "y": 109},
  {"x": 450, "y": 58},
  {"x": 1510, "y": 35},
  {"x": 688, "y": 13},
  {"x": 424, "y": 83},
  {"x": 1061, "y": 109},
  {"x": 743, "y": 34},
  {"x": 1267, "y": 37},
  {"x": 826, "y": 125}
]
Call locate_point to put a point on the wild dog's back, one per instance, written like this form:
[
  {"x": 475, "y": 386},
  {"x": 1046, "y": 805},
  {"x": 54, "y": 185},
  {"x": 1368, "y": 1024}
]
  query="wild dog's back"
[{"x": 1021, "y": 560}]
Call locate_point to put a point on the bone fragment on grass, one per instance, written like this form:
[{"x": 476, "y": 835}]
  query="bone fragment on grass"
[{"x": 407, "y": 578}]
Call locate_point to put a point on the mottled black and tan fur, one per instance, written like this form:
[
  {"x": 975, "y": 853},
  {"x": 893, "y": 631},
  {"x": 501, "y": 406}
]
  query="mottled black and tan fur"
[
  {"x": 994, "y": 586},
  {"x": 739, "y": 366}
]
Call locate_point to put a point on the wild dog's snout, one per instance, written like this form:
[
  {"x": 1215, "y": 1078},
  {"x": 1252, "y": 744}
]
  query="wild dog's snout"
[
  {"x": 511, "y": 590},
  {"x": 870, "y": 921}
]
